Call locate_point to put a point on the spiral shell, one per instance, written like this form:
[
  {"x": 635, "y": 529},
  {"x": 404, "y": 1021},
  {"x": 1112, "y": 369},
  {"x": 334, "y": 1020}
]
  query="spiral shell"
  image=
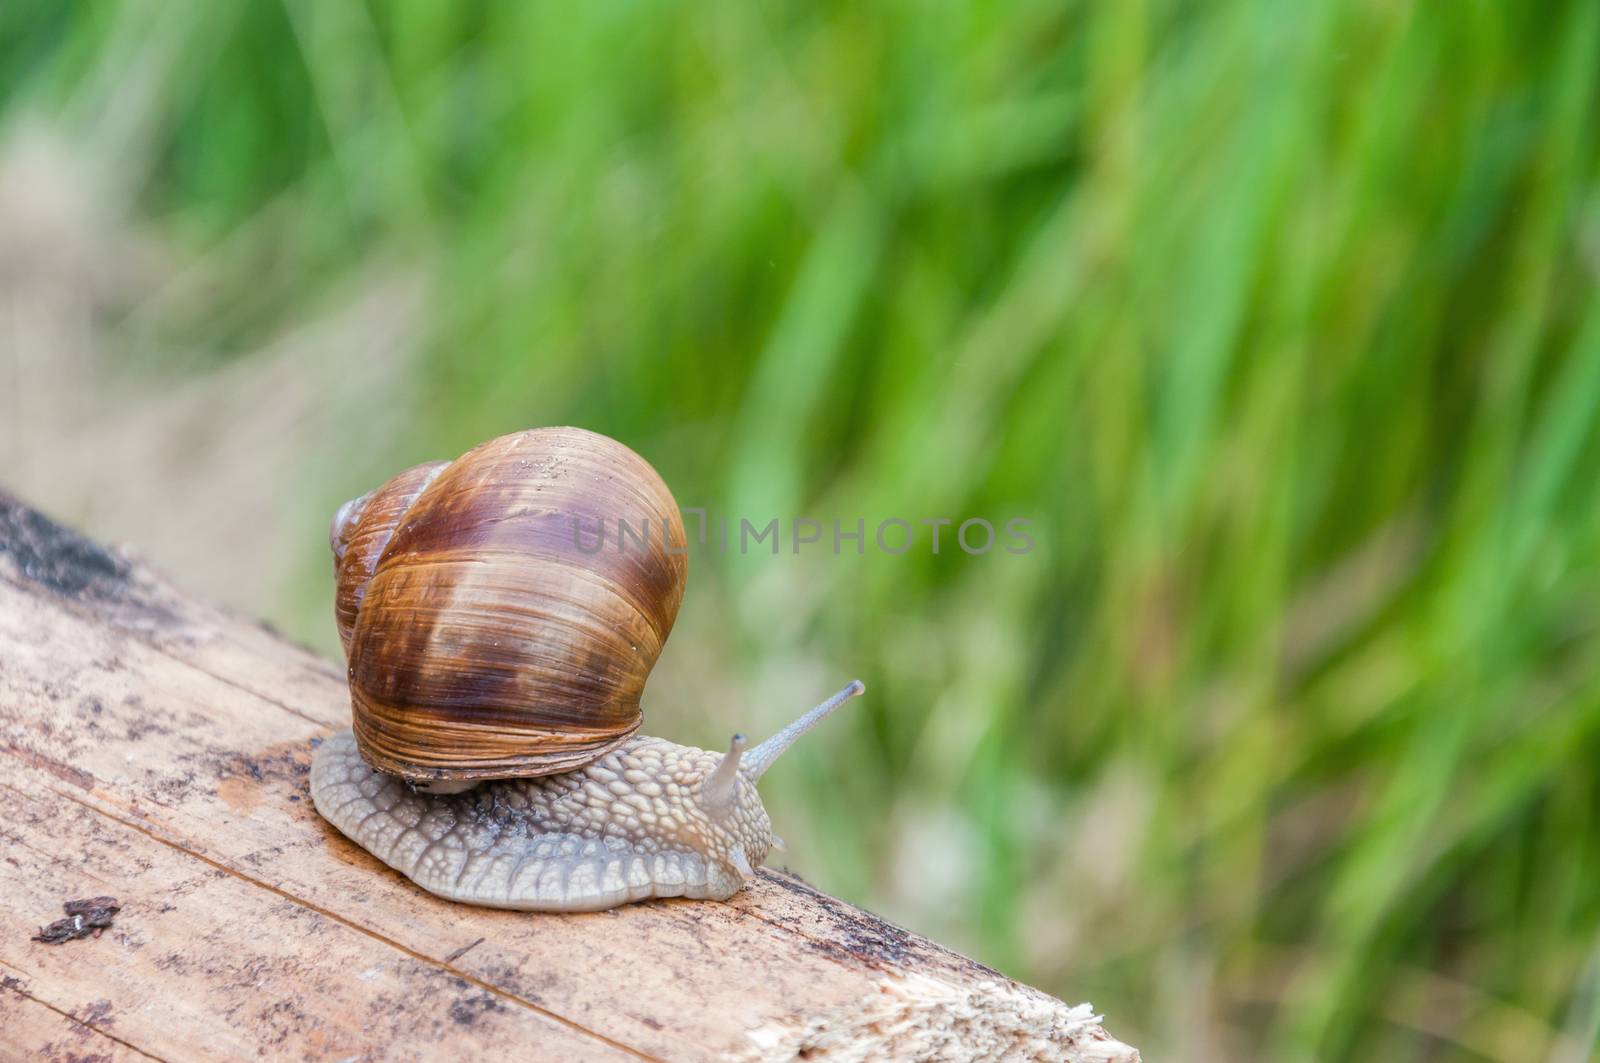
[{"x": 496, "y": 622}]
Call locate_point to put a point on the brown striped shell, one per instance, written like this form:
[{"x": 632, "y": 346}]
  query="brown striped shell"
[{"x": 496, "y": 622}]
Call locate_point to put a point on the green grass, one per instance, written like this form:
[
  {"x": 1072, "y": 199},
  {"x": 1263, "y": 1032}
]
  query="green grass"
[{"x": 1278, "y": 320}]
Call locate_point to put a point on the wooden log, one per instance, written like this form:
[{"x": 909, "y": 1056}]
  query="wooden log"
[{"x": 155, "y": 749}]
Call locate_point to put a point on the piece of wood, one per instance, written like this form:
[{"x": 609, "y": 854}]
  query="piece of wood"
[{"x": 155, "y": 749}]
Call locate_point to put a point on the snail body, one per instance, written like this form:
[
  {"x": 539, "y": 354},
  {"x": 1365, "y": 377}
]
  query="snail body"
[{"x": 495, "y": 668}]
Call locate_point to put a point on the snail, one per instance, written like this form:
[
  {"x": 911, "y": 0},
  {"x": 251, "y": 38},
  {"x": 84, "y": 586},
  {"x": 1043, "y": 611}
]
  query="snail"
[{"x": 496, "y": 659}]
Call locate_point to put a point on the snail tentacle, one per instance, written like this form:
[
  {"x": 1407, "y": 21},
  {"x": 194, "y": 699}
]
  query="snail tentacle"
[{"x": 762, "y": 757}]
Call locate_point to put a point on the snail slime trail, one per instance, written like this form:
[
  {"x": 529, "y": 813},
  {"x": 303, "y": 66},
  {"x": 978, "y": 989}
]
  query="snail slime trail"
[{"x": 495, "y": 674}]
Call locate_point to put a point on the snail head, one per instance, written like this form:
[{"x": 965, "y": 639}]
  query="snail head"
[{"x": 728, "y": 793}]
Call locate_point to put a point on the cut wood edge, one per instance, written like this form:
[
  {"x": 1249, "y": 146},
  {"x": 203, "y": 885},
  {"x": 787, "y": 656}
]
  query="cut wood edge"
[{"x": 917, "y": 1016}]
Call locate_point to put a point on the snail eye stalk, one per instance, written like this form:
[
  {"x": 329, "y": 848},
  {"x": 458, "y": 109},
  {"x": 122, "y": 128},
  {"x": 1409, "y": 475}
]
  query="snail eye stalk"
[
  {"x": 762, "y": 757},
  {"x": 721, "y": 785}
]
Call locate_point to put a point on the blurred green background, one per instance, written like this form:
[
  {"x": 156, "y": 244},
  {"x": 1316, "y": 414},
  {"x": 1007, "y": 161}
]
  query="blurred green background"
[{"x": 1278, "y": 320}]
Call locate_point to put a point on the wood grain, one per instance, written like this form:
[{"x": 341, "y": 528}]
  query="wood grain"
[{"x": 155, "y": 749}]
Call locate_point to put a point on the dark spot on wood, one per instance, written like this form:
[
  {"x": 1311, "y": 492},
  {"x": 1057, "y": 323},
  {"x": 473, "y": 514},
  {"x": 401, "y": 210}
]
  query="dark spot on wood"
[
  {"x": 97, "y": 1014},
  {"x": 56, "y": 557},
  {"x": 467, "y": 1010},
  {"x": 144, "y": 727},
  {"x": 284, "y": 762},
  {"x": 858, "y": 935},
  {"x": 175, "y": 962}
]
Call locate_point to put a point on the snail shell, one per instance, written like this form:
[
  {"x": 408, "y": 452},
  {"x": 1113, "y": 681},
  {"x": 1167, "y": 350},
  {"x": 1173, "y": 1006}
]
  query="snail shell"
[{"x": 492, "y": 628}]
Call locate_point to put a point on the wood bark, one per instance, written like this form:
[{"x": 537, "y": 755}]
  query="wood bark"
[{"x": 155, "y": 749}]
